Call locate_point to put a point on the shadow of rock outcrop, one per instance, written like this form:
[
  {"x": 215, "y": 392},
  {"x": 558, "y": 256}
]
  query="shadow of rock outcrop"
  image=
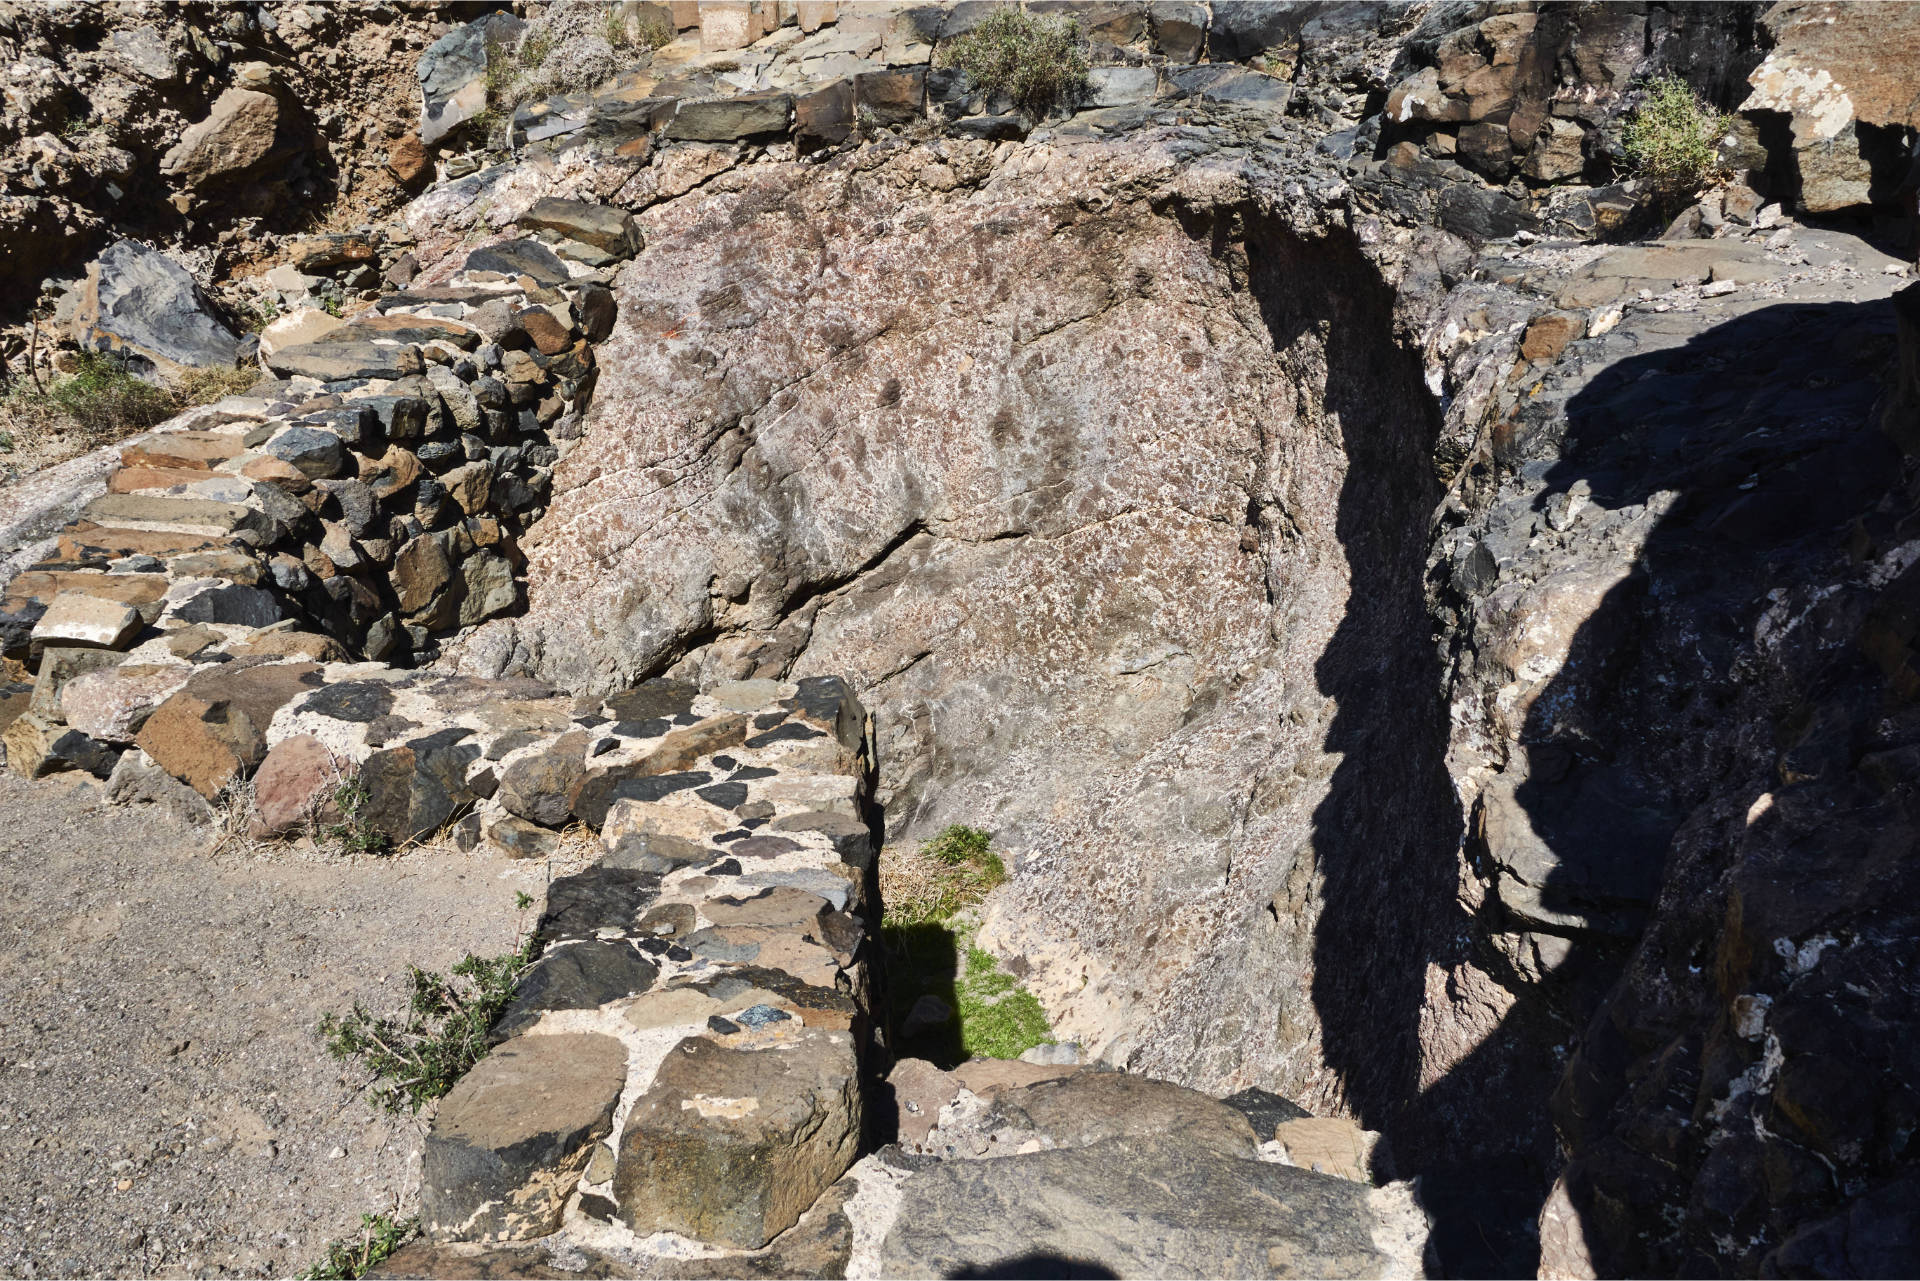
[{"x": 1703, "y": 833}]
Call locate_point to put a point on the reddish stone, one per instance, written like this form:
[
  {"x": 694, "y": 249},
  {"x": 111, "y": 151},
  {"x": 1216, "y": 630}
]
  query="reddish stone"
[
  {"x": 409, "y": 161},
  {"x": 295, "y": 785}
]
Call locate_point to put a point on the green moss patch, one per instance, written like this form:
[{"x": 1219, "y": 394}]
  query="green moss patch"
[{"x": 927, "y": 929}]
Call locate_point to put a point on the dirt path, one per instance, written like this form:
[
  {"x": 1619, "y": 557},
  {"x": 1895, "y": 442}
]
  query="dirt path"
[{"x": 165, "y": 1106}]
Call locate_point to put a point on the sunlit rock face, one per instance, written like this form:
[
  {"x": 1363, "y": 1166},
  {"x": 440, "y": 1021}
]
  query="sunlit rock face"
[{"x": 1057, "y": 468}]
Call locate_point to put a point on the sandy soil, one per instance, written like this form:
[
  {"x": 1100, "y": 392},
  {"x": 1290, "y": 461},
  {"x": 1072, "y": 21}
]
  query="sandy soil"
[{"x": 166, "y": 1108}]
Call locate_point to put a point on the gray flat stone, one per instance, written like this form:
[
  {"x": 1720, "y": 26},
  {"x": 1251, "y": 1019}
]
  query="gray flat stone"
[{"x": 1148, "y": 1207}]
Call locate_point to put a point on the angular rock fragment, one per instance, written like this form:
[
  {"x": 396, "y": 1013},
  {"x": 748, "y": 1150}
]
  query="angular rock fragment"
[
  {"x": 87, "y": 622},
  {"x": 509, "y": 1141},
  {"x": 579, "y": 976},
  {"x": 113, "y": 703},
  {"x": 604, "y": 227},
  {"x": 138, "y": 302},
  {"x": 213, "y": 730},
  {"x": 730, "y": 1146}
]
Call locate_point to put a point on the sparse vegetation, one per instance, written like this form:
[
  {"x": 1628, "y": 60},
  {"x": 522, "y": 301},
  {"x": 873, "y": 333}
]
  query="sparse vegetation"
[
  {"x": 928, "y": 930},
  {"x": 1037, "y": 61},
  {"x": 101, "y": 397},
  {"x": 352, "y": 1257},
  {"x": 534, "y": 48},
  {"x": 102, "y": 401},
  {"x": 353, "y": 833},
  {"x": 204, "y": 386},
  {"x": 649, "y": 32},
  {"x": 654, "y": 33},
  {"x": 417, "y": 1057},
  {"x": 999, "y": 1019},
  {"x": 1672, "y": 139}
]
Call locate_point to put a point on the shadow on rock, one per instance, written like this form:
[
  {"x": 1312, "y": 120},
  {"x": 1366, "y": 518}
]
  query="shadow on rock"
[{"x": 1717, "y": 778}]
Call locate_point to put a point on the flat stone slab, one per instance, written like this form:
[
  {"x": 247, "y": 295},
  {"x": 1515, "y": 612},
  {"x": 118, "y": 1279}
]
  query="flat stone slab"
[
  {"x": 510, "y": 1140},
  {"x": 1148, "y": 1207},
  {"x": 89, "y": 622},
  {"x": 601, "y": 226},
  {"x": 188, "y": 516},
  {"x": 344, "y": 361}
]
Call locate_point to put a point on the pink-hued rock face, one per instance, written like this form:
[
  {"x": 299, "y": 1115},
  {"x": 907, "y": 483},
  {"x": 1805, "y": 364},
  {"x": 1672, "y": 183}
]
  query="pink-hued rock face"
[{"x": 1049, "y": 473}]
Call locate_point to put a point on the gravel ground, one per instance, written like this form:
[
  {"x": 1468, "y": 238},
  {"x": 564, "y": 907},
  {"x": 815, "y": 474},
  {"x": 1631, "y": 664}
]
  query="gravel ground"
[{"x": 166, "y": 1108}]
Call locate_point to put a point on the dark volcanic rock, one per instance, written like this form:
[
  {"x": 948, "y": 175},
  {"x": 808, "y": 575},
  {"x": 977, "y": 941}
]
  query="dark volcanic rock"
[{"x": 581, "y": 976}]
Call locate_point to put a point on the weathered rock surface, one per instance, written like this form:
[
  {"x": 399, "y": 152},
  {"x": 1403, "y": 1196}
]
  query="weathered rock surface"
[
  {"x": 138, "y": 302},
  {"x": 241, "y": 132},
  {"x": 1148, "y": 1207},
  {"x": 509, "y": 1140},
  {"x": 732, "y": 1146},
  {"x": 1831, "y": 71}
]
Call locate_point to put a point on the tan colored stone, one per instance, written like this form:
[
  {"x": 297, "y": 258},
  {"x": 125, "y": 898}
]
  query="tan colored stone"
[
  {"x": 1331, "y": 1145},
  {"x": 1549, "y": 335},
  {"x": 408, "y": 160},
  {"x": 214, "y": 729},
  {"x": 783, "y": 905},
  {"x": 920, "y": 1090},
  {"x": 129, "y": 480},
  {"x": 298, "y": 328},
  {"x": 90, "y": 622},
  {"x": 690, "y": 819},
  {"x": 288, "y": 643},
  {"x": 238, "y": 134},
  {"x": 195, "y": 450},
  {"x": 987, "y": 1077}
]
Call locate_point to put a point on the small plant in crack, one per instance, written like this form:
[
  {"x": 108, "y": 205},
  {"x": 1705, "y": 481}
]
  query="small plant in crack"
[
  {"x": 417, "y": 1056},
  {"x": 353, "y": 832},
  {"x": 352, "y": 1257}
]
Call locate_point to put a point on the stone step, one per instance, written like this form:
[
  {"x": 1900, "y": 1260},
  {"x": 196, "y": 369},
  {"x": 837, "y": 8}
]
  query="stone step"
[
  {"x": 88, "y": 542},
  {"x": 190, "y": 450},
  {"x": 178, "y": 516}
]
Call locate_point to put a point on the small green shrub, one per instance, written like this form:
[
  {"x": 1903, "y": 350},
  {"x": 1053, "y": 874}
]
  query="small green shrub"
[
  {"x": 353, "y": 832},
  {"x": 999, "y": 1019},
  {"x": 418, "y": 1057},
  {"x": 654, "y": 33},
  {"x": 351, "y": 1258},
  {"x": 927, "y": 933},
  {"x": 1672, "y": 139},
  {"x": 534, "y": 48},
  {"x": 1036, "y": 61},
  {"x": 105, "y": 399},
  {"x": 650, "y": 32},
  {"x": 957, "y": 844}
]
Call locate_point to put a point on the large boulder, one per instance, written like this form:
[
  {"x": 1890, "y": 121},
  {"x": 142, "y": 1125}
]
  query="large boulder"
[
  {"x": 1833, "y": 69},
  {"x": 1044, "y": 534},
  {"x": 244, "y": 129},
  {"x": 140, "y": 304},
  {"x": 453, "y": 74}
]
